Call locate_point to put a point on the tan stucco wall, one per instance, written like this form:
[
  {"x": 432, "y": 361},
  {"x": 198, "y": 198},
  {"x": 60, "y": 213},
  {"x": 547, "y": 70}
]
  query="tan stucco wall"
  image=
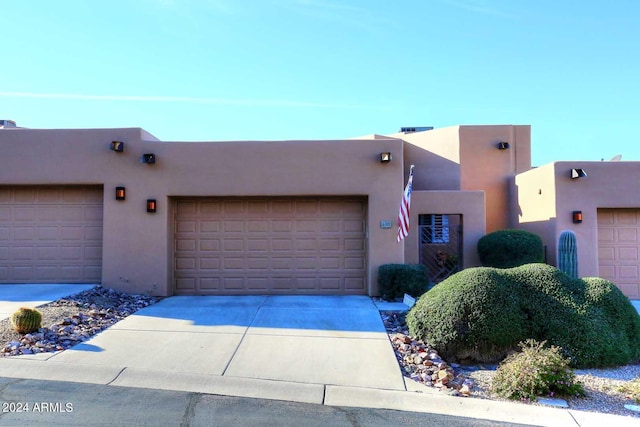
[
  {"x": 137, "y": 248},
  {"x": 486, "y": 168},
  {"x": 137, "y": 245},
  {"x": 467, "y": 158},
  {"x": 436, "y": 155},
  {"x": 534, "y": 207},
  {"x": 607, "y": 185},
  {"x": 469, "y": 204}
]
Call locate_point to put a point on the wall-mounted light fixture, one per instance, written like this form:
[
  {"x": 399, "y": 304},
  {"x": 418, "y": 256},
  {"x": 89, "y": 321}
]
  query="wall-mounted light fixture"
[
  {"x": 117, "y": 146},
  {"x": 578, "y": 173},
  {"x": 148, "y": 158},
  {"x": 577, "y": 217},
  {"x": 121, "y": 193},
  {"x": 503, "y": 145},
  {"x": 151, "y": 205},
  {"x": 385, "y": 157}
]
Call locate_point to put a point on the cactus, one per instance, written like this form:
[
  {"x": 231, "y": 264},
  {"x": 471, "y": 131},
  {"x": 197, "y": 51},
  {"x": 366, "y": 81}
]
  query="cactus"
[
  {"x": 26, "y": 320},
  {"x": 568, "y": 253}
]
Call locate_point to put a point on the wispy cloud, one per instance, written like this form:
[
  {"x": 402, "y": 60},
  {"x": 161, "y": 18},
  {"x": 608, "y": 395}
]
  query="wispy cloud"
[
  {"x": 478, "y": 6},
  {"x": 185, "y": 99}
]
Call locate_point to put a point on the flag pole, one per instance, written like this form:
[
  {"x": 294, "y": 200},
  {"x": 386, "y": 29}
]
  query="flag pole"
[{"x": 403, "y": 214}]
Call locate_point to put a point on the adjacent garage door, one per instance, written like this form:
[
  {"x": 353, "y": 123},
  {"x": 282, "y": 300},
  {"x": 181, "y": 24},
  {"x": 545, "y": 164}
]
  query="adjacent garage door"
[
  {"x": 50, "y": 234},
  {"x": 619, "y": 248},
  {"x": 270, "y": 246}
]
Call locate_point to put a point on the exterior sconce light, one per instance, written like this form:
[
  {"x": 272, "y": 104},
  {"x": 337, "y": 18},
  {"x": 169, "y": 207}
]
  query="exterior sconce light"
[
  {"x": 577, "y": 217},
  {"x": 503, "y": 145},
  {"x": 148, "y": 158},
  {"x": 117, "y": 146},
  {"x": 120, "y": 193},
  {"x": 578, "y": 173},
  {"x": 385, "y": 157},
  {"x": 151, "y": 205}
]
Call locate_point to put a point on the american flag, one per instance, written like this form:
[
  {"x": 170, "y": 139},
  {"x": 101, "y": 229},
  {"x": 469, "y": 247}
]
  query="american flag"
[{"x": 403, "y": 215}]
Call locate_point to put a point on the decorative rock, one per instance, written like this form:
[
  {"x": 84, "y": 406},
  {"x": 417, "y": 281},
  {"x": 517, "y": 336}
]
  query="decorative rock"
[
  {"x": 419, "y": 362},
  {"x": 454, "y": 385},
  {"x": 114, "y": 306},
  {"x": 464, "y": 390},
  {"x": 403, "y": 338}
]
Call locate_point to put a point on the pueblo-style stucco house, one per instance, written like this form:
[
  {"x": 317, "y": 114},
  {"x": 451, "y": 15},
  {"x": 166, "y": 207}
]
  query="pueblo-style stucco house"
[{"x": 122, "y": 208}]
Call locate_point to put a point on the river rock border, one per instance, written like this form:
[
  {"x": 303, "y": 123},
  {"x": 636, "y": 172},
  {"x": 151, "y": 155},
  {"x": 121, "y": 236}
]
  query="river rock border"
[{"x": 421, "y": 363}]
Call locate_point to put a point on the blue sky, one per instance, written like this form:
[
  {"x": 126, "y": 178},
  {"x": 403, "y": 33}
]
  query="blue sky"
[{"x": 317, "y": 69}]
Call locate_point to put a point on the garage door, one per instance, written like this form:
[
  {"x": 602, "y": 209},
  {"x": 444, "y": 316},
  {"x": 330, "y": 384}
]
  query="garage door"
[
  {"x": 50, "y": 234},
  {"x": 270, "y": 246},
  {"x": 619, "y": 248}
]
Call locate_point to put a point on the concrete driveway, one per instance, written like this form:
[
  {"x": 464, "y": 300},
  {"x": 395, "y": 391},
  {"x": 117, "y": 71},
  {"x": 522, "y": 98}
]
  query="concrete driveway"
[{"x": 325, "y": 340}]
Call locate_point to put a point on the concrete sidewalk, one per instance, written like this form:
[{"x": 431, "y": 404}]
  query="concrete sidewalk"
[{"x": 322, "y": 350}]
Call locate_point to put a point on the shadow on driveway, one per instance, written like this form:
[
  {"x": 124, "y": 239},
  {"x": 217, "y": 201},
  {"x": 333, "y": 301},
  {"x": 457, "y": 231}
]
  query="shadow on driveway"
[{"x": 329, "y": 313}]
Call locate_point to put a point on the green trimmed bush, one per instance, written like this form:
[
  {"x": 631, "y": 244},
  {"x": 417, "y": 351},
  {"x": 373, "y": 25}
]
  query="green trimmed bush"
[
  {"x": 483, "y": 313},
  {"x": 395, "y": 280},
  {"x": 510, "y": 248},
  {"x": 535, "y": 371}
]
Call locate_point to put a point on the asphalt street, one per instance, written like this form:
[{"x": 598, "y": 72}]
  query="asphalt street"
[{"x": 39, "y": 403}]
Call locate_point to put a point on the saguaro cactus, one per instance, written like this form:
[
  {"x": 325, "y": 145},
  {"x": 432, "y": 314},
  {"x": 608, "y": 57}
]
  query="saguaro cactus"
[
  {"x": 568, "y": 253},
  {"x": 26, "y": 320}
]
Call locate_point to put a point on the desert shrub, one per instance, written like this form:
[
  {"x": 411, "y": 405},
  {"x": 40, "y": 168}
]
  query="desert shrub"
[
  {"x": 394, "y": 280},
  {"x": 510, "y": 248},
  {"x": 483, "y": 313},
  {"x": 632, "y": 389},
  {"x": 535, "y": 371},
  {"x": 468, "y": 315}
]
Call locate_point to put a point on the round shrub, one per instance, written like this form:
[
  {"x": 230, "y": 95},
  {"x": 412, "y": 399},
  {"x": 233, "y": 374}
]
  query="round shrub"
[
  {"x": 535, "y": 371},
  {"x": 510, "y": 248},
  {"x": 471, "y": 314},
  {"x": 483, "y": 313}
]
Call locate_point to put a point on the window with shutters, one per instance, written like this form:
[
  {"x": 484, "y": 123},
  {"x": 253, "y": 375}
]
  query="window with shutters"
[{"x": 435, "y": 228}]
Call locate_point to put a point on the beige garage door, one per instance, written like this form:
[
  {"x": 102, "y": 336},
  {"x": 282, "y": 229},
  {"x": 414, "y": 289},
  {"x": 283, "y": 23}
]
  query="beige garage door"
[
  {"x": 619, "y": 248},
  {"x": 270, "y": 246},
  {"x": 50, "y": 234}
]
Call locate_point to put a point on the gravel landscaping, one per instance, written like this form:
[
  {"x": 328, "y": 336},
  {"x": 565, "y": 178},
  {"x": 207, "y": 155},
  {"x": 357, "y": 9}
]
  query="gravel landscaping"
[
  {"x": 71, "y": 320},
  {"x": 416, "y": 363}
]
